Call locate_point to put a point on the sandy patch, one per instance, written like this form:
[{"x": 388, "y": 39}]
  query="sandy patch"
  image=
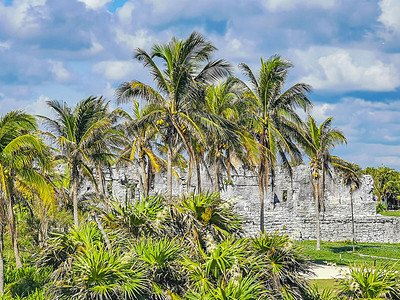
[{"x": 328, "y": 271}]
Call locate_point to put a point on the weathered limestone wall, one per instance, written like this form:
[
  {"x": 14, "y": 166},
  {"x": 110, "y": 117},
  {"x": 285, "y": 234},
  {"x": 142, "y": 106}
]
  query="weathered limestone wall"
[{"x": 293, "y": 214}]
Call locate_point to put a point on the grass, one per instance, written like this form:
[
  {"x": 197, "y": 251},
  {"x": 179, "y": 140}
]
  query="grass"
[
  {"x": 322, "y": 284},
  {"x": 391, "y": 213},
  {"x": 341, "y": 253},
  {"x": 325, "y": 283}
]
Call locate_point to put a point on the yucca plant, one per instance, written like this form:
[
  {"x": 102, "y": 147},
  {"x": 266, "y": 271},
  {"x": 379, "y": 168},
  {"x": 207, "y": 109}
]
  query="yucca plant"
[
  {"x": 161, "y": 259},
  {"x": 221, "y": 262},
  {"x": 240, "y": 288},
  {"x": 37, "y": 295},
  {"x": 368, "y": 282},
  {"x": 205, "y": 218},
  {"x": 62, "y": 245},
  {"x": 280, "y": 262},
  {"x": 140, "y": 218},
  {"x": 26, "y": 280},
  {"x": 97, "y": 273},
  {"x": 314, "y": 293}
]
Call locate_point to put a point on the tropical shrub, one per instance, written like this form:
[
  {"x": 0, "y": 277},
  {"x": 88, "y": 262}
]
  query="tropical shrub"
[
  {"x": 314, "y": 293},
  {"x": 369, "y": 283},
  {"x": 26, "y": 280},
  {"x": 203, "y": 218},
  {"x": 141, "y": 218},
  {"x": 161, "y": 259},
  {"x": 281, "y": 263}
]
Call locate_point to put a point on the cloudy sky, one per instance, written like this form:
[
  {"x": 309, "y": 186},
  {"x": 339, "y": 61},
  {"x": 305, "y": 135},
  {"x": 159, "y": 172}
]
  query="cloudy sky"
[{"x": 348, "y": 50}]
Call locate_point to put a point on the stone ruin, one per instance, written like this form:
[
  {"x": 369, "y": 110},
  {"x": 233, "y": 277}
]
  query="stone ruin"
[{"x": 289, "y": 205}]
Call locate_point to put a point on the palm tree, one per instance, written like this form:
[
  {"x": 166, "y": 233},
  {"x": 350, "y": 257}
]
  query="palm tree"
[
  {"x": 350, "y": 173},
  {"x": 220, "y": 101},
  {"x": 317, "y": 143},
  {"x": 274, "y": 121},
  {"x": 20, "y": 150},
  {"x": 187, "y": 67},
  {"x": 140, "y": 144},
  {"x": 76, "y": 131}
]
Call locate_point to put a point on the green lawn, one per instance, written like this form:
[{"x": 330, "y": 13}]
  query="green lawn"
[
  {"x": 391, "y": 213},
  {"x": 322, "y": 284},
  {"x": 341, "y": 253}
]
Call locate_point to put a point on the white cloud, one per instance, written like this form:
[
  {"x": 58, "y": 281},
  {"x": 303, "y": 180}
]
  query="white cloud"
[
  {"x": 372, "y": 129},
  {"x": 340, "y": 69},
  {"x": 23, "y": 16},
  {"x": 390, "y": 15},
  {"x": 95, "y": 4},
  {"x": 320, "y": 112},
  {"x": 39, "y": 107},
  {"x": 57, "y": 68},
  {"x": 124, "y": 13},
  {"x": 284, "y": 5},
  {"x": 94, "y": 49},
  {"x": 114, "y": 70},
  {"x": 141, "y": 39},
  {"x": 5, "y": 46},
  {"x": 370, "y": 154}
]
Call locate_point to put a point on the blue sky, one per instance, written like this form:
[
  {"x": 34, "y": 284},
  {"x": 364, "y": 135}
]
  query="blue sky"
[{"x": 348, "y": 50}]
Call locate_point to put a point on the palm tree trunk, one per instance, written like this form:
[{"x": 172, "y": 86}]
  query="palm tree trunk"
[
  {"x": 144, "y": 177},
  {"x": 189, "y": 179},
  {"x": 352, "y": 217},
  {"x": 315, "y": 187},
  {"x": 216, "y": 175},
  {"x": 12, "y": 229},
  {"x": 1, "y": 254},
  {"x": 44, "y": 224},
  {"x": 169, "y": 171},
  {"x": 261, "y": 189},
  {"x": 262, "y": 185},
  {"x": 198, "y": 173},
  {"x": 149, "y": 175},
  {"x": 74, "y": 191},
  {"x": 228, "y": 164},
  {"x": 322, "y": 199},
  {"x": 100, "y": 180},
  {"x": 103, "y": 232}
]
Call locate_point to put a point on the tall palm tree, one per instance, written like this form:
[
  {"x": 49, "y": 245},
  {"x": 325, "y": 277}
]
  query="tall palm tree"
[
  {"x": 76, "y": 131},
  {"x": 351, "y": 173},
  {"x": 139, "y": 148},
  {"x": 318, "y": 142},
  {"x": 186, "y": 67},
  {"x": 274, "y": 121},
  {"x": 220, "y": 101},
  {"x": 21, "y": 153}
]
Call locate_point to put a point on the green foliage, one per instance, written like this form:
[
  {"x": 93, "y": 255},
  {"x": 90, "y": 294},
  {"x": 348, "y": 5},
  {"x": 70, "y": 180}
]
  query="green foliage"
[
  {"x": 25, "y": 281},
  {"x": 370, "y": 283},
  {"x": 280, "y": 262},
  {"x": 314, "y": 293},
  {"x": 97, "y": 273},
  {"x": 240, "y": 288},
  {"x": 162, "y": 264},
  {"x": 63, "y": 245},
  {"x": 158, "y": 254},
  {"x": 138, "y": 218},
  {"x": 210, "y": 211},
  {"x": 386, "y": 184},
  {"x": 380, "y": 208}
]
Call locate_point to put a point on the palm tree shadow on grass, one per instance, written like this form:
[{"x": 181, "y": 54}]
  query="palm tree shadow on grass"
[{"x": 349, "y": 248}]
